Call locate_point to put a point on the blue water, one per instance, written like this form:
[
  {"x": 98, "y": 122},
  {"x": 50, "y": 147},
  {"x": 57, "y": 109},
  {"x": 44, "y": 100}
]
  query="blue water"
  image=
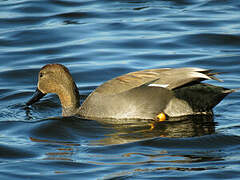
[{"x": 99, "y": 40}]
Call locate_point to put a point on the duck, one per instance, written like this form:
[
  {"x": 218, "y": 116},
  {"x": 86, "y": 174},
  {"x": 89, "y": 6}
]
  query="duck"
[{"x": 150, "y": 94}]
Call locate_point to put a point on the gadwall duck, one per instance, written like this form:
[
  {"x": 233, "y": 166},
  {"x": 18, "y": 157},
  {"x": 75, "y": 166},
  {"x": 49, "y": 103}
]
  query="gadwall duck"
[{"x": 147, "y": 94}]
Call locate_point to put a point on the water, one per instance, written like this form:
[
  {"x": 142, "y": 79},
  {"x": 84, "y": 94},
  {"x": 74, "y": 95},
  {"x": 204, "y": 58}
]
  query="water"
[{"x": 98, "y": 40}]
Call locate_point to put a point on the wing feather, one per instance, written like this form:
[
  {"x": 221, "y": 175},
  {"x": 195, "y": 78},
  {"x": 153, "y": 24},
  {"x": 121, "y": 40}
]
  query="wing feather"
[{"x": 166, "y": 77}]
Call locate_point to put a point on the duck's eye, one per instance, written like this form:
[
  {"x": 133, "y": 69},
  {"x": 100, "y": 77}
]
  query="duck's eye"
[{"x": 41, "y": 75}]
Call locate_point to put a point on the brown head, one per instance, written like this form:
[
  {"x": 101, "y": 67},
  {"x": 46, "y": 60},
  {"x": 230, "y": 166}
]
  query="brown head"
[{"x": 56, "y": 78}]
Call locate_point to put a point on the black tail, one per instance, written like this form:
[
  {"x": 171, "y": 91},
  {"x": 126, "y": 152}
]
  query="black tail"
[{"x": 202, "y": 97}]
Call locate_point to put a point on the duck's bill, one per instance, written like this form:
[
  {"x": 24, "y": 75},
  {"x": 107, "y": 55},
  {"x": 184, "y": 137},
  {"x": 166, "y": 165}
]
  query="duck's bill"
[{"x": 36, "y": 96}]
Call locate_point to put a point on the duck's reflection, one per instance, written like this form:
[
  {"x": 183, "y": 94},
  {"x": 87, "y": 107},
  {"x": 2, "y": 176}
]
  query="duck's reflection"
[
  {"x": 182, "y": 127},
  {"x": 73, "y": 131}
]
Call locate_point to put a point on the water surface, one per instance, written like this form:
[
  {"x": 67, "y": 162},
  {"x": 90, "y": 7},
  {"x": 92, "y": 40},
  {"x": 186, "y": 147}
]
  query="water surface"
[{"x": 99, "y": 40}]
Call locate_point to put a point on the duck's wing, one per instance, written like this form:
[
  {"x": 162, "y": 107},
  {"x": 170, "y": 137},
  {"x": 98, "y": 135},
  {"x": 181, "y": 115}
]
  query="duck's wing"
[
  {"x": 165, "y": 78},
  {"x": 176, "y": 78}
]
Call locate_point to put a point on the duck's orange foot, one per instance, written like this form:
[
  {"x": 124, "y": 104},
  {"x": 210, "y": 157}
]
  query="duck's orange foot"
[{"x": 161, "y": 117}]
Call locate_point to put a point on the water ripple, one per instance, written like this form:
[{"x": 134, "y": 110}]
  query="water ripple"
[{"x": 99, "y": 40}]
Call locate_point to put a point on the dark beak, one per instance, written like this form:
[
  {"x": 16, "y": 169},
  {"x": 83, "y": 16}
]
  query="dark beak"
[{"x": 36, "y": 96}]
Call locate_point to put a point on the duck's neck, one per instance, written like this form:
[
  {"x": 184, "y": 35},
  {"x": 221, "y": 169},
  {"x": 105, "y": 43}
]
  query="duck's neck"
[{"x": 69, "y": 98}]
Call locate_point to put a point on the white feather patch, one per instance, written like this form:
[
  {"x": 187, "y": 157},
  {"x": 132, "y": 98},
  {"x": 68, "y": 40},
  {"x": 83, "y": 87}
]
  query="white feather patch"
[
  {"x": 159, "y": 85},
  {"x": 199, "y": 75}
]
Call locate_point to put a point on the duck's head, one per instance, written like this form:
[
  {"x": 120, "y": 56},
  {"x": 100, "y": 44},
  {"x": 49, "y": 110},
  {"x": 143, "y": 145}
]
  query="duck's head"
[{"x": 56, "y": 78}]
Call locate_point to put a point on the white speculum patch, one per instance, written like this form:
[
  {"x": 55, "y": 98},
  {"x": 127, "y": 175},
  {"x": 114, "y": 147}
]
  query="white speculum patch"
[{"x": 159, "y": 85}]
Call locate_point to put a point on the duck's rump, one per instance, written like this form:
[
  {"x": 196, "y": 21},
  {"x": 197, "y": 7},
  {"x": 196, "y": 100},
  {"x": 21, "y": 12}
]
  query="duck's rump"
[
  {"x": 195, "y": 98},
  {"x": 202, "y": 96}
]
